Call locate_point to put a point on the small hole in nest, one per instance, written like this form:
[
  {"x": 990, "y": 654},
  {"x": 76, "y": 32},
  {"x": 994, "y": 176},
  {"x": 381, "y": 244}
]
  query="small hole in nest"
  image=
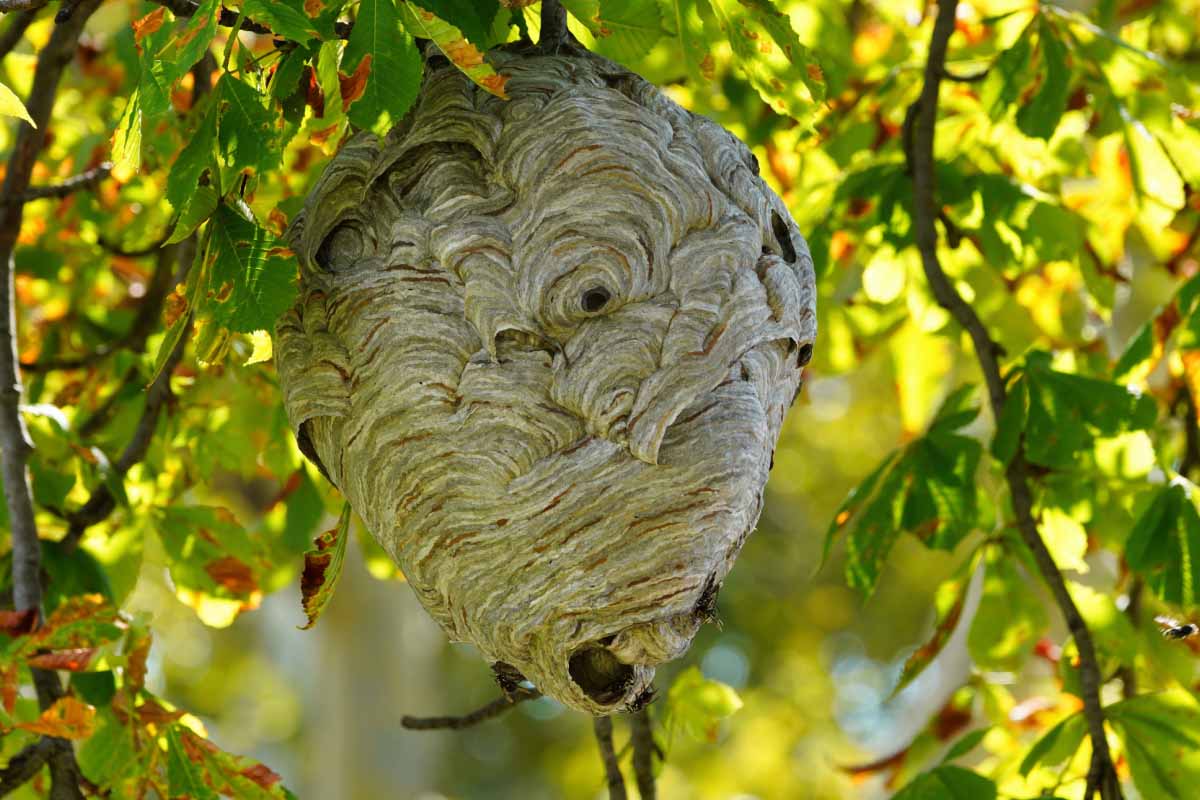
[
  {"x": 806, "y": 353},
  {"x": 595, "y": 299},
  {"x": 784, "y": 237},
  {"x": 600, "y": 675}
]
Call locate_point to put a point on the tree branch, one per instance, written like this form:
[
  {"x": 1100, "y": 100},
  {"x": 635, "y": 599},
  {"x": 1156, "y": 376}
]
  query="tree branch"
[
  {"x": 22, "y": 5},
  {"x": 84, "y": 180},
  {"x": 1101, "y": 774},
  {"x": 16, "y": 30},
  {"x": 15, "y": 445},
  {"x": 493, "y": 709},
  {"x": 554, "y": 36},
  {"x": 24, "y": 765},
  {"x": 230, "y": 18},
  {"x": 644, "y": 750},
  {"x": 608, "y": 754}
]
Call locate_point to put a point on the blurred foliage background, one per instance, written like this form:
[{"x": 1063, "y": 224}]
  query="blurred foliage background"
[{"x": 1069, "y": 158}]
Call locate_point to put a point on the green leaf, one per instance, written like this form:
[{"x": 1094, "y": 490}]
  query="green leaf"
[
  {"x": 1155, "y": 177},
  {"x": 948, "y": 782},
  {"x": 245, "y": 127},
  {"x": 196, "y": 160},
  {"x": 625, "y": 30},
  {"x": 285, "y": 18},
  {"x": 1161, "y": 736},
  {"x": 697, "y": 704},
  {"x": 1010, "y": 617},
  {"x": 784, "y": 72},
  {"x": 395, "y": 66},
  {"x": 11, "y": 105},
  {"x": 186, "y": 776},
  {"x": 209, "y": 552},
  {"x": 323, "y": 567},
  {"x": 1057, "y": 744},
  {"x": 1164, "y": 546},
  {"x": 424, "y": 24},
  {"x": 183, "y": 50},
  {"x": 965, "y": 744},
  {"x": 1011, "y": 425},
  {"x": 1039, "y": 116},
  {"x": 108, "y": 755},
  {"x": 1068, "y": 412},
  {"x": 127, "y": 140},
  {"x": 689, "y": 31},
  {"x": 251, "y": 276},
  {"x": 473, "y": 17},
  {"x": 927, "y": 488},
  {"x": 947, "y": 620}
]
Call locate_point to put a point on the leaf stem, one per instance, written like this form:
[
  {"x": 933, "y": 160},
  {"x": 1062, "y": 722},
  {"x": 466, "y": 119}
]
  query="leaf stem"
[{"x": 919, "y": 150}]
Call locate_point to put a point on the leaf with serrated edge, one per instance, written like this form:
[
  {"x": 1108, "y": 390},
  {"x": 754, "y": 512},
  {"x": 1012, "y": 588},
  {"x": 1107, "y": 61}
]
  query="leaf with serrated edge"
[
  {"x": 323, "y": 567},
  {"x": 449, "y": 39}
]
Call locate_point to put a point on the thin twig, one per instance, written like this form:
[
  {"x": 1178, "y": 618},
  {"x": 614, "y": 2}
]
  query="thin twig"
[
  {"x": 644, "y": 750},
  {"x": 230, "y": 18},
  {"x": 15, "y": 444},
  {"x": 1101, "y": 774},
  {"x": 84, "y": 180},
  {"x": 608, "y": 754},
  {"x": 15, "y": 31},
  {"x": 492, "y": 710},
  {"x": 7, "y": 6},
  {"x": 24, "y": 765}
]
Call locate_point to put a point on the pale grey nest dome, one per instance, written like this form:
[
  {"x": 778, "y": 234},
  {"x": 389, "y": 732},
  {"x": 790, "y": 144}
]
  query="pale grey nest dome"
[{"x": 545, "y": 346}]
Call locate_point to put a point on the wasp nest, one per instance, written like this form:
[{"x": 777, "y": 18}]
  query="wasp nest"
[{"x": 545, "y": 346}]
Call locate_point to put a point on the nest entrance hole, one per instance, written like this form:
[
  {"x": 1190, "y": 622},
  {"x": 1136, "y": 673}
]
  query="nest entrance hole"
[{"x": 600, "y": 675}]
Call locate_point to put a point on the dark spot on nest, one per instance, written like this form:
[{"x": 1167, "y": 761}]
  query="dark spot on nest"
[
  {"x": 648, "y": 696},
  {"x": 805, "y": 355},
  {"x": 595, "y": 299},
  {"x": 508, "y": 676},
  {"x": 706, "y": 605},
  {"x": 600, "y": 675},
  {"x": 784, "y": 237}
]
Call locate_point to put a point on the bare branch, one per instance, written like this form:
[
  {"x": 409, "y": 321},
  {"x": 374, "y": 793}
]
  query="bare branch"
[
  {"x": 7, "y": 6},
  {"x": 644, "y": 751},
  {"x": 608, "y": 754},
  {"x": 15, "y": 31},
  {"x": 922, "y": 118},
  {"x": 24, "y": 765},
  {"x": 554, "y": 36},
  {"x": 493, "y": 709},
  {"x": 84, "y": 180},
  {"x": 229, "y": 18},
  {"x": 15, "y": 445}
]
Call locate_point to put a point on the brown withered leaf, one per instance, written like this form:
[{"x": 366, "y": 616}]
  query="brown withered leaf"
[
  {"x": 353, "y": 86},
  {"x": 151, "y": 712},
  {"x": 73, "y": 660},
  {"x": 232, "y": 574},
  {"x": 148, "y": 24},
  {"x": 16, "y": 623},
  {"x": 261, "y": 774},
  {"x": 68, "y": 718},
  {"x": 323, "y": 567}
]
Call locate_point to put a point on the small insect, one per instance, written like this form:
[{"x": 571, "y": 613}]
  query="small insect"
[{"x": 1174, "y": 629}]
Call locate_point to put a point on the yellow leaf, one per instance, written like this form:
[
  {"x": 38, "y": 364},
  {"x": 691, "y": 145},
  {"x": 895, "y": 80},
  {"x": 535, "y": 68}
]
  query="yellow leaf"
[
  {"x": 262, "y": 348},
  {"x": 11, "y": 105}
]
